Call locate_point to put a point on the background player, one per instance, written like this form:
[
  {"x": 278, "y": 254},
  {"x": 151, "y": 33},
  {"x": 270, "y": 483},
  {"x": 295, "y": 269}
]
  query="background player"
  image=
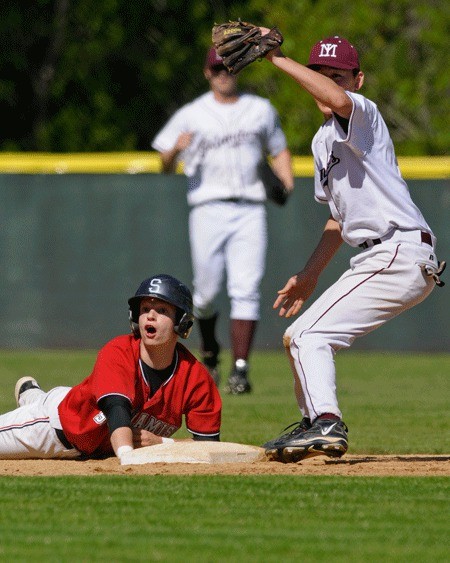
[
  {"x": 141, "y": 385},
  {"x": 222, "y": 137},
  {"x": 356, "y": 173}
]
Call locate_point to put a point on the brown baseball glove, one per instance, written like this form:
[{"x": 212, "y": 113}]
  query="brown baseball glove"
[{"x": 241, "y": 43}]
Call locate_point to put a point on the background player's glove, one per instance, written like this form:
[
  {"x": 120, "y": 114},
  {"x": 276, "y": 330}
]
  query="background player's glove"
[
  {"x": 241, "y": 43},
  {"x": 276, "y": 191}
]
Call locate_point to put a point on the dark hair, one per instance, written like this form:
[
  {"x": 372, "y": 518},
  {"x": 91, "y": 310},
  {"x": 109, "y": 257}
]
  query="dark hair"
[{"x": 316, "y": 68}]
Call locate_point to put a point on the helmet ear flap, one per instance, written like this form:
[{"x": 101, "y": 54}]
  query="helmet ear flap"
[
  {"x": 184, "y": 326},
  {"x": 134, "y": 325}
]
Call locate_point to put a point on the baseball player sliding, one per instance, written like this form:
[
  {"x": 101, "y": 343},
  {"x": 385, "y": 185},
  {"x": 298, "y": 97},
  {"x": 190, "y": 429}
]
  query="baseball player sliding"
[
  {"x": 356, "y": 174},
  {"x": 223, "y": 137},
  {"x": 141, "y": 385}
]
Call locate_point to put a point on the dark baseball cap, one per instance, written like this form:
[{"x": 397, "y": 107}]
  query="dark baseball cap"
[
  {"x": 213, "y": 60},
  {"x": 334, "y": 51}
]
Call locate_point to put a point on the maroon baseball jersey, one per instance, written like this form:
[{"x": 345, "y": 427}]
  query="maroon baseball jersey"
[{"x": 189, "y": 391}]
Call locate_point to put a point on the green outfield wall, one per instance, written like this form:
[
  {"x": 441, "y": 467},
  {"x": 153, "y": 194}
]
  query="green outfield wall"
[{"x": 75, "y": 246}]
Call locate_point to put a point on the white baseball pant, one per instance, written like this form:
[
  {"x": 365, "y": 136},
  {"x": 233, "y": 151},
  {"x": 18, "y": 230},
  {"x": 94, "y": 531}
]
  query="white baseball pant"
[
  {"x": 382, "y": 282},
  {"x": 232, "y": 237},
  {"x": 29, "y": 431}
]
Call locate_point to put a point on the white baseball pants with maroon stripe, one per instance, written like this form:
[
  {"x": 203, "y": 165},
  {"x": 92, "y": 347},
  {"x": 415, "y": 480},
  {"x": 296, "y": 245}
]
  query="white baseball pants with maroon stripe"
[
  {"x": 29, "y": 431},
  {"x": 382, "y": 282}
]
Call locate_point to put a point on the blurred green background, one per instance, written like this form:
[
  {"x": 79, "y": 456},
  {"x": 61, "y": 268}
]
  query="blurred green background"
[{"x": 102, "y": 75}]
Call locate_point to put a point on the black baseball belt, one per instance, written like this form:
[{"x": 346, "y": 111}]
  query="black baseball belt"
[
  {"x": 424, "y": 237},
  {"x": 62, "y": 438}
]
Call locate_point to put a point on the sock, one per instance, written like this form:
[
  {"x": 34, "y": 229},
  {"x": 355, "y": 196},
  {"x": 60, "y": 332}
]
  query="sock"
[
  {"x": 328, "y": 415},
  {"x": 207, "y": 332},
  {"x": 241, "y": 333}
]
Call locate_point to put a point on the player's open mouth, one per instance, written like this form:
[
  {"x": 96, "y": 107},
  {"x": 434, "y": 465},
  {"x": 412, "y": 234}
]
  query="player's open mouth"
[{"x": 150, "y": 330}]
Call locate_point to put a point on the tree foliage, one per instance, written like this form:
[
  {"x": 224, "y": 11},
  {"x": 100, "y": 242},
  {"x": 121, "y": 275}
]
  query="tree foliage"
[{"x": 101, "y": 75}]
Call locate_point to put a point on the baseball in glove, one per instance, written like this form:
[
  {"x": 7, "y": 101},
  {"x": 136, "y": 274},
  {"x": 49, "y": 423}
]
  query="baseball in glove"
[
  {"x": 276, "y": 191},
  {"x": 241, "y": 43}
]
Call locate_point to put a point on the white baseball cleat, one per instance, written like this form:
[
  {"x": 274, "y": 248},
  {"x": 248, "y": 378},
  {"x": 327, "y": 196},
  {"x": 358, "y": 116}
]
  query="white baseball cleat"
[{"x": 24, "y": 384}]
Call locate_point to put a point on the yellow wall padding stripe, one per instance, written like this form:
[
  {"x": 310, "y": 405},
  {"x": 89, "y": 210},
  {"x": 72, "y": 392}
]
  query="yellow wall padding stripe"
[{"x": 423, "y": 167}]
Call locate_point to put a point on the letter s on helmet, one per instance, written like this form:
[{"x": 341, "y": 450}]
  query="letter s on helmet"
[{"x": 167, "y": 289}]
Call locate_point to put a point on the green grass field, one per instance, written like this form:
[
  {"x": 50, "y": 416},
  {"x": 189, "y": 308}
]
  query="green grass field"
[{"x": 393, "y": 403}]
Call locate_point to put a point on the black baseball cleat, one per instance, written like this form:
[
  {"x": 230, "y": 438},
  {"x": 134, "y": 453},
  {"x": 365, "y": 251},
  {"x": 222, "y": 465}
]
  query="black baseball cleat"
[
  {"x": 326, "y": 436},
  {"x": 238, "y": 382},
  {"x": 24, "y": 384},
  {"x": 300, "y": 427}
]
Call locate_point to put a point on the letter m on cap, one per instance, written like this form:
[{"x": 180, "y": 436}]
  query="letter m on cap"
[{"x": 328, "y": 50}]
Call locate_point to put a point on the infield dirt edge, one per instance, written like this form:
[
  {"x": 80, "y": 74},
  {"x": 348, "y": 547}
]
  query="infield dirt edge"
[{"x": 413, "y": 465}]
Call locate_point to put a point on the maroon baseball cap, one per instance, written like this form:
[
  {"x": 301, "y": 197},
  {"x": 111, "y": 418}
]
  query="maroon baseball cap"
[
  {"x": 336, "y": 52},
  {"x": 213, "y": 59}
]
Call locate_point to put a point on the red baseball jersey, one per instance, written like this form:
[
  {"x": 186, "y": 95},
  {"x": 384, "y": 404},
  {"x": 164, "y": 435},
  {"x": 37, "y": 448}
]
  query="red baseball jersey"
[{"x": 189, "y": 391}]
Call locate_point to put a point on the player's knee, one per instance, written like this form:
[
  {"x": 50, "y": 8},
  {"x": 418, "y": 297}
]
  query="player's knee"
[
  {"x": 244, "y": 308},
  {"x": 314, "y": 344},
  {"x": 204, "y": 305}
]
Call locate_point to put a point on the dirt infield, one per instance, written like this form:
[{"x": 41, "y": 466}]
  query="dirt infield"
[{"x": 350, "y": 465}]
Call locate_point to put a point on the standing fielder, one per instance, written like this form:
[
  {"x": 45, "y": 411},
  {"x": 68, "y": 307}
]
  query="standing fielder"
[
  {"x": 222, "y": 137},
  {"x": 141, "y": 386},
  {"x": 356, "y": 174}
]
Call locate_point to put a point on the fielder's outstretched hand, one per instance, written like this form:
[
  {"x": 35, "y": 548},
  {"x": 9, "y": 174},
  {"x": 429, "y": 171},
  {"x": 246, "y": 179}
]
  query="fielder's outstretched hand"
[{"x": 296, "y": 291}]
